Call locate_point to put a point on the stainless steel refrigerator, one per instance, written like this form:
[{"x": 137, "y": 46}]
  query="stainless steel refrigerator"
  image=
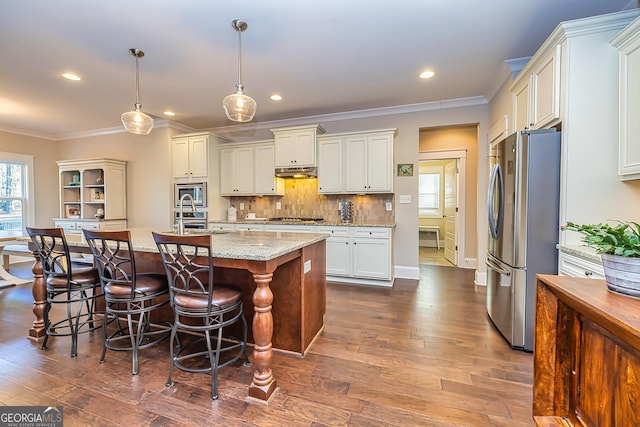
[{"x": 523, "y": 204}]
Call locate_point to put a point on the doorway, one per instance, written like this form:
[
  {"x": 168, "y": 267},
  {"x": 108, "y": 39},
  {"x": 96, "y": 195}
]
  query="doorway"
[{"x": 441, "y": 196}]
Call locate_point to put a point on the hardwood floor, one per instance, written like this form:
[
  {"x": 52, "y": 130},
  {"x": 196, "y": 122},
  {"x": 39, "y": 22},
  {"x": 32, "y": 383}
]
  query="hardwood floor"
[{"x": 419, "y": 354}]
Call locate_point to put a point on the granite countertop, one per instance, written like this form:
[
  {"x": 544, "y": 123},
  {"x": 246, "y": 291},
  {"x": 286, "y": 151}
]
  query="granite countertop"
[
  {"x": 250, "y": 245},
  {"x": 581, "y": 251},
  {"x": 300, "y": 223}
]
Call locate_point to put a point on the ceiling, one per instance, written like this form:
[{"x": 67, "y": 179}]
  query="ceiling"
[{"x": 321, "y": 56}]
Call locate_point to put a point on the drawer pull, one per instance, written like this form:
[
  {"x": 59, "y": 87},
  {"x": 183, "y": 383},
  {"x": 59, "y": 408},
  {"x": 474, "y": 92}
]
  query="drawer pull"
[{"x": 588, "y": 273}]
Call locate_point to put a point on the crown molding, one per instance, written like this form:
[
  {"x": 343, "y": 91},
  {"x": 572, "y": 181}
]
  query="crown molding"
[{"x": 25, "y": 132}]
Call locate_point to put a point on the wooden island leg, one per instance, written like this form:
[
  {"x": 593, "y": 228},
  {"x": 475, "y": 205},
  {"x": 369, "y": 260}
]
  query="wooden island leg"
[
  {"x": 263, "y": 384},
  {"x": 39, "y": 292}
]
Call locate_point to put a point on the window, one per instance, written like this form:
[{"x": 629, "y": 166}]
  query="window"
[
  {"x": 14, "y": 191},
  {"x": 429, "y": 194}
]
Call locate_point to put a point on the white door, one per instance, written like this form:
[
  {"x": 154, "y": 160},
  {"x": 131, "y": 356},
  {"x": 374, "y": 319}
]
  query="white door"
[{"x": 450, "y": 210}]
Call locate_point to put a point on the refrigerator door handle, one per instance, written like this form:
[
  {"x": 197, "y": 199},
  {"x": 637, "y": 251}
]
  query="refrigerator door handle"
[
  {"x": 492, "y": 265},
  {"x": 495, "y": 223}
]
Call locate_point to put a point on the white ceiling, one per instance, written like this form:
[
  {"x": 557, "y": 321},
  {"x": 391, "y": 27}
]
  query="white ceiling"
[{"x": 322, "y": 56}]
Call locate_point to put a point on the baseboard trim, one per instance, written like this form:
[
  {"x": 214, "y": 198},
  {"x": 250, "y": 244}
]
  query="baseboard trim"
[{"x": 405, "y": 272}]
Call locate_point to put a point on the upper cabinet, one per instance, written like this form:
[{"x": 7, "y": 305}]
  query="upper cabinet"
[
  {"x": 628, "y": 45},
  {"x": 248, "y": 170},
  {"x": 356, "y": 163},
  {"x": 191, "y": 155},
  {"x": 296, "y": 146},
  {"x": 536, "y": 90},
  {"x": 93, "y": 189}
]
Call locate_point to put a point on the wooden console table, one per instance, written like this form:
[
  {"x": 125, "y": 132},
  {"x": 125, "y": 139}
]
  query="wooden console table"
[{"x": 586, "y": 354}]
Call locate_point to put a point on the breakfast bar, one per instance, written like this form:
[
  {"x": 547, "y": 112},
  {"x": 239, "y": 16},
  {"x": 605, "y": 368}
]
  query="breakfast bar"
[{"x": 282, "y": 276}]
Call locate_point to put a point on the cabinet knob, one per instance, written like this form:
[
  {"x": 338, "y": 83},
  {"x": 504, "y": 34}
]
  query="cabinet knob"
[{"x": 588, "y": 273}]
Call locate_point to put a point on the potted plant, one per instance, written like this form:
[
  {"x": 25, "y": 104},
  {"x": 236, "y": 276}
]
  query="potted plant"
[{"x": 619, "y": 246}]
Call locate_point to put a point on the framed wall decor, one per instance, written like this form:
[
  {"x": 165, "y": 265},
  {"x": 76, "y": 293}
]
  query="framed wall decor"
[{"x": 405, "y": 169}]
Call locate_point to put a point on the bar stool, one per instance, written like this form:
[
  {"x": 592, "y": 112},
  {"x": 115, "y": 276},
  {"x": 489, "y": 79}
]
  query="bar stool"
[
  {"x": 200, "y": 307},
  {"x": 76, "y": 288},
  {"x": 127, "y": 294}
]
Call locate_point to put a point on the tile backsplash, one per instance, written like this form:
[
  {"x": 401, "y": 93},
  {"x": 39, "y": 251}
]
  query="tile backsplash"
[{"x": 301, "y": 199}]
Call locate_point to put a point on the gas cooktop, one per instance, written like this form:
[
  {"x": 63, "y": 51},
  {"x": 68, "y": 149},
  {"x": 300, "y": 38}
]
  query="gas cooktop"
[{"x": 296, "y": 219}]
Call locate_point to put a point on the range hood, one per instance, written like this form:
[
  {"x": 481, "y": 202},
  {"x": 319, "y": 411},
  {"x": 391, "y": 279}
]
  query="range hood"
[{"x": 297, "y": 172}]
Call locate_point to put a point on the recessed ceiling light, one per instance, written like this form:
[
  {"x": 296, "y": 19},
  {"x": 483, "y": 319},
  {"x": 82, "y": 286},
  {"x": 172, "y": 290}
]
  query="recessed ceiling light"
[
  {"x": 276, "y": 98},
  {"x": 71, "y": 76},
  {"x": 427, "y": 74},
  {"x": 169, "y": 113}
]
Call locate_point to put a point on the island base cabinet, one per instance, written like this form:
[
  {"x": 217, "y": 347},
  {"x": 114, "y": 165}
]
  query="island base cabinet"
[{"x": 586, "y": 356}]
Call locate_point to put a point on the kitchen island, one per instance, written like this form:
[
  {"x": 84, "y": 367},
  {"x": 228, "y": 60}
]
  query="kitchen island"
[{"x": 282, "y": 276}]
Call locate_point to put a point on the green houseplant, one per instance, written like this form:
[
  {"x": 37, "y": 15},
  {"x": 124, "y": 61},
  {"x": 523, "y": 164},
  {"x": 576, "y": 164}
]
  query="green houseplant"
[{"x": 619, "y": 246}]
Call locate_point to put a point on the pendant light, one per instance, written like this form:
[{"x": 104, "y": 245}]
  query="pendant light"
[
  {"x": 136, "y": 121},
  {"x": 239, "y": 107}
]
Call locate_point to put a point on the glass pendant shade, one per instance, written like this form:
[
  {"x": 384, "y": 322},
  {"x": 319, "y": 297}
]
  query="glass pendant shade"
[
  {"x": 136, "y": 121},
  {"x": 238, "y": 106}
]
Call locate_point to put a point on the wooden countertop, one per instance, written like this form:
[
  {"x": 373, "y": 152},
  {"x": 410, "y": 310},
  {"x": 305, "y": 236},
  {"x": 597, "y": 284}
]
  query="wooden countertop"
[{"x": 248, "y": 245}]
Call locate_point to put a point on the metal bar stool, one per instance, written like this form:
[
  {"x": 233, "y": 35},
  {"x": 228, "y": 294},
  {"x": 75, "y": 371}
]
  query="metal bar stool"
[
  {"x": 75, "y": 287},
  {"x": 200, "y": 307},
  {"x": 128, "y": 294}
]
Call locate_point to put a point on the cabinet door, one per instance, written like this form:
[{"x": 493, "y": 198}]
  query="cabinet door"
[
  {"x": 264, "y": 181},
  {"x": 371, "y": 258},
  {"x": 545, "y": 102},
  {"x": 330, "y": 166},
  {"x": 338, "y": 256},
  {"x": 244, "y": 170},
  {"x": 355, "y": 166},
  {"x": 521, "y": 106},
  {"x": 285, "y": 155},
  {"x": 379, "y": 164},
  {"x": 227, "y": 171},
  {"x": 180, "y": 158},
  {"x": 629, "y": 134},
  {"x": 305, "y": 148},
  {"x": 198, "y": 157}
]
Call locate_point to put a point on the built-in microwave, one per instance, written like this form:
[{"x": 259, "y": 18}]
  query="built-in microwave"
[{"x": 197, "y": 190}]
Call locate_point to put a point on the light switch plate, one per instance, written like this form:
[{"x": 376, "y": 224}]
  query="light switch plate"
[
  {"x": 278, "y": 205},
  {"x": 388, "y": 206},
  {"x": 307, "y": 266},
  {"x": 242, "y": 206},
  {"x": 404, "y": 198}
]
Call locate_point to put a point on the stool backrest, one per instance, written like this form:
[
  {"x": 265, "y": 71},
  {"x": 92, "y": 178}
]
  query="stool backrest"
[
  {"x": 52, "y": 247},
  {"x": 188, "y": 263},
  {"x": 113, "y": 256}
]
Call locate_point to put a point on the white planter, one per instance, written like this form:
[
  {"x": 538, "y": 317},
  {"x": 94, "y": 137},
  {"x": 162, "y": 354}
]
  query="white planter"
[{"x": 622, "y": 274}]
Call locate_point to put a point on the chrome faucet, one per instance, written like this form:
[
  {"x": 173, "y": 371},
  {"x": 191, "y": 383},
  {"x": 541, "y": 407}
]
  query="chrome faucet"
[{"x": 180, "y": 218}]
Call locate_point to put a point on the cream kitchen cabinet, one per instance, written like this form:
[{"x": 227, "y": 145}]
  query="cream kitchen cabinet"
[
  {"x": 356, "y": 162},
  {"x": 359, "y": 254},
  {"x": 330, "y": 165},
  {"x": 94, "y": 189},
  {"x": 579, "y": 266},
  {"x": 190, "y": 156},
  {"x": 628, "y": 45},
  {"x": 368, "y": 163},
  {"x": 536, "y": 90},
  {"x": 296, "y": 146},
  {"x": 248, "y": 169},
  {"x": 236, "y": 171},
  {"x": 76, "y": 226}
]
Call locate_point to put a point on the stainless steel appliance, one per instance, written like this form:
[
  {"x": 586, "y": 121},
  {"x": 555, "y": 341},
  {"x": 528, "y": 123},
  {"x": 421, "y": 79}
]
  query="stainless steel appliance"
[
  {"x": 297, "y": 220},
  {"x": 297, "y": 172},
  {"x": 197, "y": 190},
  {"x": 192, "y": 220},
  {"x": 523, "y": 203}
]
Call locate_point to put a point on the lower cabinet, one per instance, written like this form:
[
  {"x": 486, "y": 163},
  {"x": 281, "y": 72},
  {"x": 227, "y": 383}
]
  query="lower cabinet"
[
  {"x": 359, "y": 253},
  {"x": 76, "y": 226},
  {"x": 576, "y": 266}
]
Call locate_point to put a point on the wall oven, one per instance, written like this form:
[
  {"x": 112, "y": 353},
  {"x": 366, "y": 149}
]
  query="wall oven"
[
  {"x": 197, "y": 190},
  {"x": 192, "y": 220}
]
